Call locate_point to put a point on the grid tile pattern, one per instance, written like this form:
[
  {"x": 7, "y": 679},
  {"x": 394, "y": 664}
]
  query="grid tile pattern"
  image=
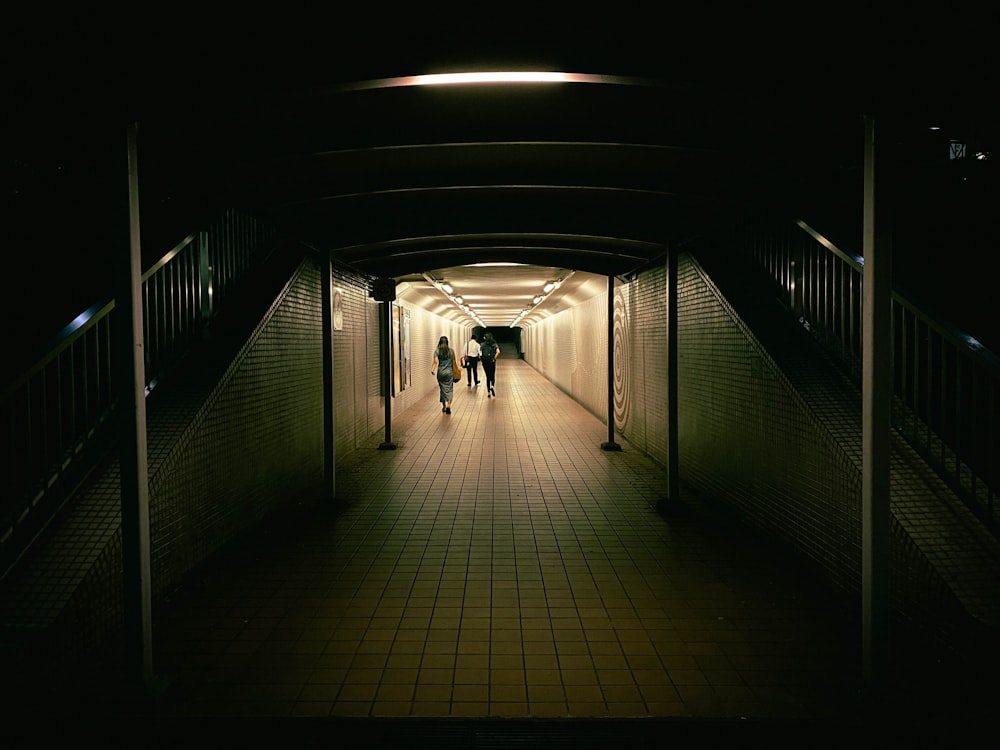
[{"x": 498, "y": 563}]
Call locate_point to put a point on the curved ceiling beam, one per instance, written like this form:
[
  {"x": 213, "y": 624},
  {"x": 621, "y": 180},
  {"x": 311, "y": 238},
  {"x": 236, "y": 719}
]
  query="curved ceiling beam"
[
  {"x": 593, "y": 262},
  {"x": 596, "y": 254}
]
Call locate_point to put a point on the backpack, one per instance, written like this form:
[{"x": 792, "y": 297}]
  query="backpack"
[{"x": 488, "y": 352}]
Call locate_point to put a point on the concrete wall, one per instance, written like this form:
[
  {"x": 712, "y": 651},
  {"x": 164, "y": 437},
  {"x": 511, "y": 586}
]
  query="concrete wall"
[
  {"x": 257, "y": 443},
  {"x": 253, "y": 448},
  {"x": 748, "y": 441},
  {"x": 571, "y": 350}
]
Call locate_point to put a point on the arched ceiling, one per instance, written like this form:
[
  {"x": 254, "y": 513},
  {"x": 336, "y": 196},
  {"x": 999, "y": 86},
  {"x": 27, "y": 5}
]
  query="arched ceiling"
[
  {"x": 657, "y": 139},
  {"x": 577, "y": 179}
]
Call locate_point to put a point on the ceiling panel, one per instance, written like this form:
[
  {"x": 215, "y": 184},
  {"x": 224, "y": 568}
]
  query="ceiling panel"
[{"x": 585, "y": 179}]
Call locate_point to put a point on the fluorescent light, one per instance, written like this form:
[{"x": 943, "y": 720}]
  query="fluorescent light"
[
  {"x": 445, "y": 79},
  {"x": 490, "y": 77}
]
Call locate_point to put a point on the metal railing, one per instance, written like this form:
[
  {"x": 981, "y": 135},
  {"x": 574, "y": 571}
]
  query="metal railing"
[
  {"x": 56, "y": 415},
  {"x": 946, "y": 385}
]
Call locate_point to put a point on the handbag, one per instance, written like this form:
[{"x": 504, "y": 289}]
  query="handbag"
[{"x": 456, "y": 371}]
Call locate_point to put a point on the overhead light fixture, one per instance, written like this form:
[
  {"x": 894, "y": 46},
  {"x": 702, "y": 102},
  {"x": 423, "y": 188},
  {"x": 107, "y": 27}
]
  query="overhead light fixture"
[
  {"x": 449, "y": 291},
  {"x": 549, "y": 287},
  {"x": 496, "y": 77},
  {"x": 445, "y": 79}
]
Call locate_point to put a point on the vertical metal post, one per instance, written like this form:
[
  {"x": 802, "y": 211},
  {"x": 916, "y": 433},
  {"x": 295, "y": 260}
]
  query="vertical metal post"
[
  {"x": 384, "y": 291},
  {"x": 611, "y": 445},
  {"x": 386, "y": 350},
  {"x": 797, "y": 279},
  {"x": 130, "y": 387},
  {"x": 329, "y": 446},
  {"x": 876, "y": 394},
  {"x": 204, "y": 278},
  {"x": 673, "y": 461}
]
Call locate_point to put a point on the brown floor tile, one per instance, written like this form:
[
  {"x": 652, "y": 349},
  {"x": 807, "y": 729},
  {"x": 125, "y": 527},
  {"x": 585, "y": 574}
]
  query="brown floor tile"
[{"x": 555, "y": 590}]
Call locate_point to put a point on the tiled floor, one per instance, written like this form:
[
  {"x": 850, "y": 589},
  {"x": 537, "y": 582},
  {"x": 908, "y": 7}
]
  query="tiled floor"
[{"x": 499, "y": 564}]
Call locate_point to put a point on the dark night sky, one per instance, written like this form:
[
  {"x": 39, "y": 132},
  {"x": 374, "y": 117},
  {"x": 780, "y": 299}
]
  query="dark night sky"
[{"x": 71, "y": 89}]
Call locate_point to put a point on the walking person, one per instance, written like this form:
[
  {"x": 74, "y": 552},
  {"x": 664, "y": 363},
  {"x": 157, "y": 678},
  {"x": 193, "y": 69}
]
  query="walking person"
[
  {"x": 472, "y": 360},
  {"x": 443, "y": 367},
  {"x": 489, "y": 353}
]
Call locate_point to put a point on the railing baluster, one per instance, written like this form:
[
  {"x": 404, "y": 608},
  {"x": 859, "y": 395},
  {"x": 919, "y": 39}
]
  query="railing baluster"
[
  {"x": 992, "y": 457},
  {"x": 29, "y": 427},
  {"x": 939, "y": 379},
  {"x": 71, "y": 386},
  {"x": 915, "y": 400},
  {"x": 930, "y": 387},
  {"x": 65, "y": 399},
  {"x": 944, "y": 405},
  {"x": 973, "y": 443},
  {"x": 958, "y": 421},
  {"x": 58, "y": 439}
]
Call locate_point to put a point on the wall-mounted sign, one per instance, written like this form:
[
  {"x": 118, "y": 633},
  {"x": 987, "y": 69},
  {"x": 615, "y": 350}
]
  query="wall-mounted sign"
[{"x": 338, "y": 309}]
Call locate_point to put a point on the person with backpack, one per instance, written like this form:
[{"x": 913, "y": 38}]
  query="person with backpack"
[{"x": 489, "y": 353}]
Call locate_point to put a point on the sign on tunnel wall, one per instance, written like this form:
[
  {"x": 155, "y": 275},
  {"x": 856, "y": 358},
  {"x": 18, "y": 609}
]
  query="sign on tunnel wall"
[{"x": 622, "y": 348}]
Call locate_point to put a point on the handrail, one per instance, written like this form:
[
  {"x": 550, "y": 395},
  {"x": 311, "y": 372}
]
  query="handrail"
[
  {"x": 55, "y": 414},
  {"x": 946, "y": 384},
  {"x": 943, "y": 328}
]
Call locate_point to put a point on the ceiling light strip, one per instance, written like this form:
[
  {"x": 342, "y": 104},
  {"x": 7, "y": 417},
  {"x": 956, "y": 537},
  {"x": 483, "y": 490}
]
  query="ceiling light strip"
[
  {"x": 493, "y": 77},
  {"x": 547, "y": 290}
]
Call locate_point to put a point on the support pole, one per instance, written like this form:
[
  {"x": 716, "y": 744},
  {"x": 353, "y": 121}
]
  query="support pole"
[
  {"x": 131, "y": 415},
  {"x": 385, "y": 292},
  {"x": 329, "y": 445},
  {"x": 611, "y": 445},
  {"x": 876, "y": 395},
  {"x": 672, "y": 501}
]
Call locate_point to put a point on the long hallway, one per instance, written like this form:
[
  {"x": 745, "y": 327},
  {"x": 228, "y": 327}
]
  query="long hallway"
[{"x": 500, "y": 564}]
